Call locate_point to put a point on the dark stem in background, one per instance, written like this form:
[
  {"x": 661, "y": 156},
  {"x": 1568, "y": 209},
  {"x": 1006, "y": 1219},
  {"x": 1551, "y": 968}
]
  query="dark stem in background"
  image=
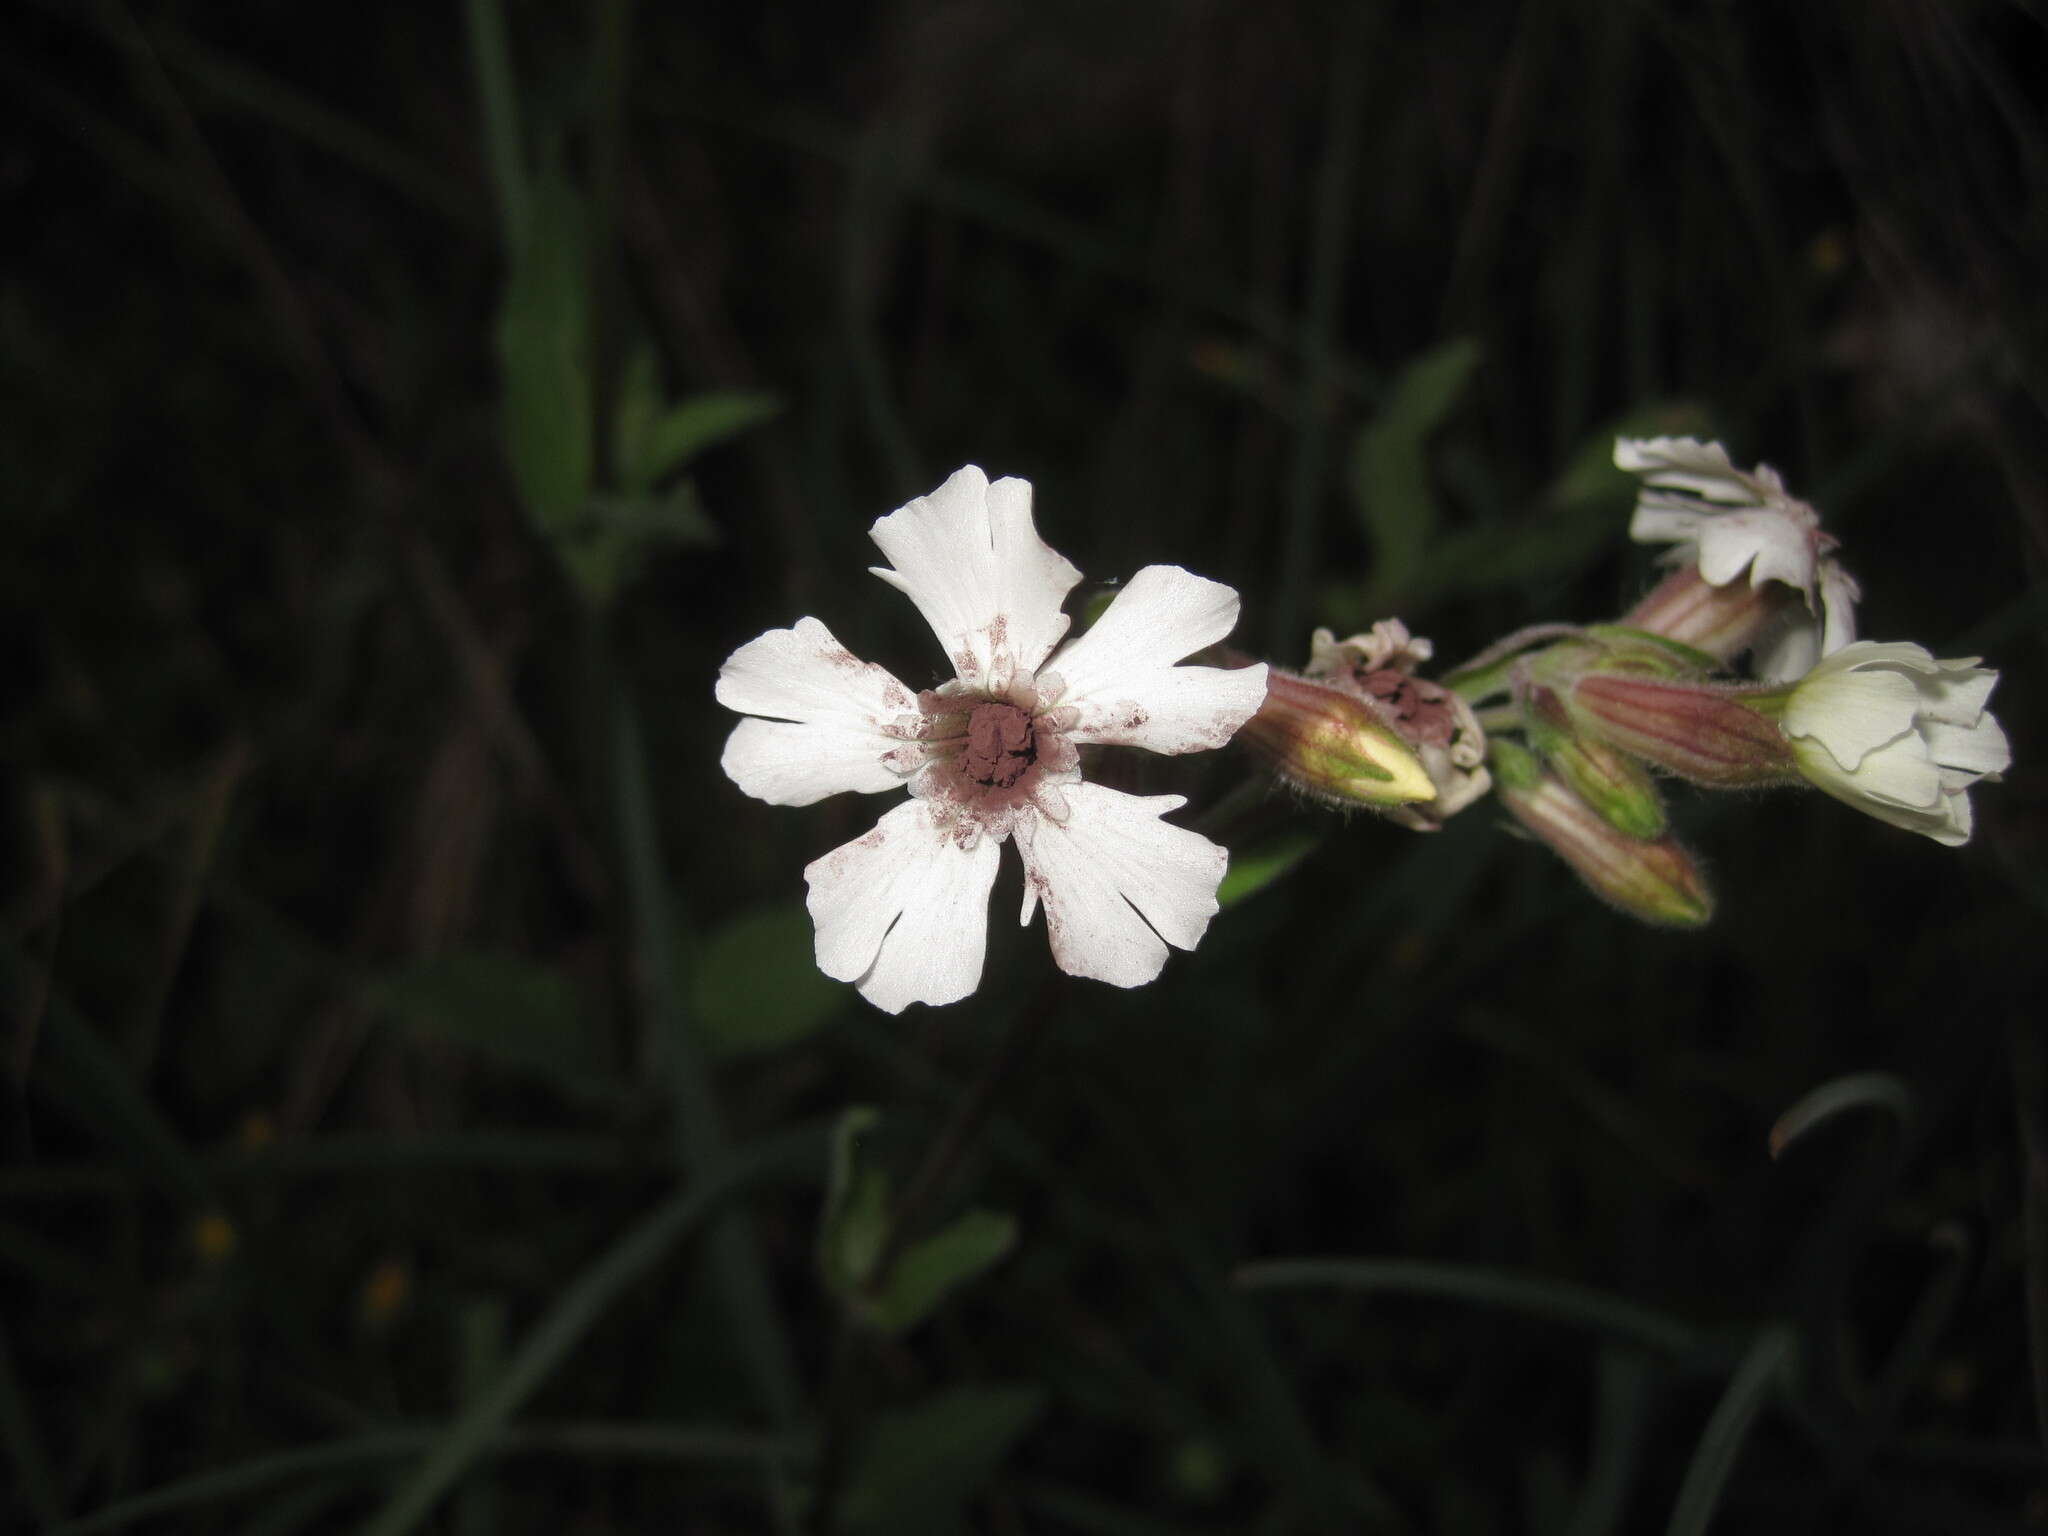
[
  {"x": 613, "y": 69},
  {"x": 970, "y": 1121},
  {"x": 673, "y": 1052},
  {"x": 1319, "y": 330},
  {"x": 2030, "y": 1106}
]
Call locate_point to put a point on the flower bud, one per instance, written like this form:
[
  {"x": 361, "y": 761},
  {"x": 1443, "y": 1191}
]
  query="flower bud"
[
  {"x": 1616, "y": 786},
  {"x": 1377, "y": 668},
  {"x": 1654, "y": 880},
  {"x": 1722, "y": 621},
  {"x": 1712, "y": 735},
  {"x": 1330, "y": 745}
]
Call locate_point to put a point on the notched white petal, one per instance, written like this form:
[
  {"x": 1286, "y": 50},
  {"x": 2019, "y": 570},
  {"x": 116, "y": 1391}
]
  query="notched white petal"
[
  {"x": 902, "y": 912},
  {"x": 829, "y": 716},
  {"x": 1121, "y": 681},
  {"x": 788, "y": 763},
  {"x": 803, "y": 673},
  {"x": 1118, "y": 883},
  {"x": 969, "y": 556},
  {"x": 1162, "y": 614},
  {"x": 1173, "y": 709}
]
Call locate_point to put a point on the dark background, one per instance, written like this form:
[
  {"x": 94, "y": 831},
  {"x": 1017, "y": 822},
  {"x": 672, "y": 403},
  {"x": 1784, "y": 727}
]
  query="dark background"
[{"x": 389, "y": 966}]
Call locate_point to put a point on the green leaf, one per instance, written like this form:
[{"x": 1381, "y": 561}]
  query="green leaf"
[
  {"x": 855, "y": 1217},
  {"x": 1390, "y": 479},
  {"x": 654, "y": 445},
  {"x": 674, "y": 517},
  {"x": 931, "y": 1270},
  {"x": 1582, "y": 515},
  {"x": 543, "y": 355},
  {"x": 758, "y": 984},
  {"x": 920, "y": 1466},
  {"x": 1254, "y": 871},
  {"x": 524, "y": 1015}
]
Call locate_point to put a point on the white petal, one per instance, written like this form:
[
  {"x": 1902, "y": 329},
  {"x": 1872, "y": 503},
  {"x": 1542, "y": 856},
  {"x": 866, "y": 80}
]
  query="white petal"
[
  {"x": 830, "y": 707},
  {"x": 970, "y": 558},
  {"x": 805, "y": 674},
  {"x": 903, "y": 911},
  {"x": 1032, "y": 579},
  {"x": 1171, "y": 710},
  {"x": 1790, "y": 649},
  {"x": 1764, "y": 542},
  {"x": 1897, "y": 786},
  {"x": 786, "y": 763},
  {"x": 1658, "y": 521},
  {"x": 1976, "y": 750},
  {"x": 1899, "y": 773},
  {"x": 1120, "y": 676},
  {"x": 1958, "y": 694},
  {"x": 1852, "y": 713},
  {"x": 1684, "y": 462},
  {"x": 1110, "y": 861},
  {"x": 1839, "y": 595}
]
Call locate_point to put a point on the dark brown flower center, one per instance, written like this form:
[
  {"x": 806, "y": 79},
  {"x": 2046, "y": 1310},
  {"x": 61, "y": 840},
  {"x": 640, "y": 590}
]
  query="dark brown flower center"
[{"x": 1001, "y": 745}]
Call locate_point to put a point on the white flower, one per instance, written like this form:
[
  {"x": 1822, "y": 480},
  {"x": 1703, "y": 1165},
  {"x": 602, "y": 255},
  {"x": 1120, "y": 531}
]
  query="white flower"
[
  {"x": 1729, "y": 521},
  {"x": 903, "y": 911},
  {"x": 1895, "y": 732}
]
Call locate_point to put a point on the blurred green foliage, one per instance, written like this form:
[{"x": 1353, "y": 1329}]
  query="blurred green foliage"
[{"x": 422, "y": 1104}]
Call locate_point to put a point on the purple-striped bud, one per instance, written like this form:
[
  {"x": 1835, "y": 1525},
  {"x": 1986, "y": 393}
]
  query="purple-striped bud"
[
  {"x": 1332, "y": 746},
  {"x": 1614, "y": 784},
  {"x": 1708, "y": 733},
  {"x": 1654, "y": 880},
  {"x": 1722, "y": 621}
]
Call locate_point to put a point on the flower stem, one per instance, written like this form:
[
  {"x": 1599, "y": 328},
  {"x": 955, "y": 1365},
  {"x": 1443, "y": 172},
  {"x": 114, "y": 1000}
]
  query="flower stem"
[
  {"x": 970, "y": 1120},
  {"x": 699, "y": 1128},
  {"x": 1482, "y": 676}
]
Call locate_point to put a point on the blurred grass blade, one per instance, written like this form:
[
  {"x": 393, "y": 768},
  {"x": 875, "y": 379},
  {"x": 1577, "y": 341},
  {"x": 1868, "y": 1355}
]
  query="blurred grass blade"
[
  {"x": 490, "y": 55},
  {"x": 1554, "y": 1300},
  {"x": 1621, "y": 1417},
  {"x": 248, "y": 1477},
  {"x": 1762, "y": 1369},
  {"x": 1390, "y": 476},
  {"x": 1858, "y": 1090},
  {"x": 1328, "y": 265},
  {"x": 1252, "y": 872},
  {"x": 479, "y": 1359},
  {"x": 638, "y": 1442},
  {"x": 78, "y": 1070},
  {"x": 932, "y": 1269},
  {"x": 2030, "y": 1110},
  {"x": 574, "y": 1314},
  {"x": 25, "y": 1453},
  {"x": 659, "y": 937},
  {"x": 921, "y": 1465}
]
